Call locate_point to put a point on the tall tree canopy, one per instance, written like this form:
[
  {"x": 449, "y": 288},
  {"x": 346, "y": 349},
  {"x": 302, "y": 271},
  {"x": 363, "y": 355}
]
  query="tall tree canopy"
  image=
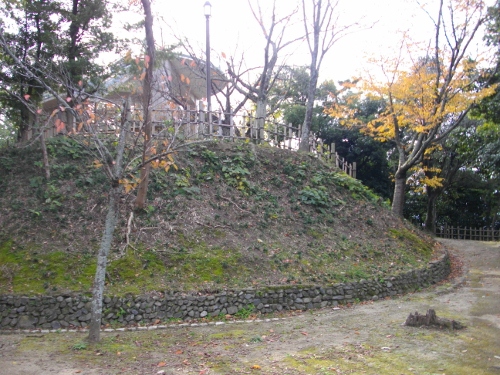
[
  {"x": 427, "y": 98},
  {"x": 62, "y": 38}
]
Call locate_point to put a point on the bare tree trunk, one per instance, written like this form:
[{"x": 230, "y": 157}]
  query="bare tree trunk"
[
  {"x": 147, "y": 97},
  {"x": 102, "y": 260},
  {"x": 109, "y": 228},
  {"x": 306, "y": 127},
  {"x": 45, "y": 155},
  {"x": 430, "y": 220},
  {"x": 260, "y": 116},
  {"x": 398, "y": 199}
]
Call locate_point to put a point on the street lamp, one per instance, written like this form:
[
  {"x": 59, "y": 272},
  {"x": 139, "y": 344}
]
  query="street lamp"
[{"x": 208, "y": 12}]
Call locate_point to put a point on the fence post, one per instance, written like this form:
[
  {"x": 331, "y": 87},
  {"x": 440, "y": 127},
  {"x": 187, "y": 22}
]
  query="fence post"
[
  {"x": 210, "y": 125},
  {"x": 231, "y": 129},
  {"x": 219, "y": 122},
  {"x": 290, "y": 135}
]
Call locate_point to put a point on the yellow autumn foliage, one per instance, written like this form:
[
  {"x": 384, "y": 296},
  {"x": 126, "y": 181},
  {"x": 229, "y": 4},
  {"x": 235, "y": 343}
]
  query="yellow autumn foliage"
[{"x": 433, "y": 182}]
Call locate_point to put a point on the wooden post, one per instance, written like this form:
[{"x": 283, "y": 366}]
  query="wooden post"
[
  {"x": 219, "y": 122},
  {"x": 290, "y": 135},
  {"x": 231, "y": 129},
  {"x": 210, "y": 126}
]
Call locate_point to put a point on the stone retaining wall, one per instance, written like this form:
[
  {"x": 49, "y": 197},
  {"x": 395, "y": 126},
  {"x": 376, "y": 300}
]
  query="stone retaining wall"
[{"x": 74, "y": 310}]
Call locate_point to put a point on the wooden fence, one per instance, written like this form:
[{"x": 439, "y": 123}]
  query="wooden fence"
[
  {"x": 198, "y": 124},
  {"x": 477, "y": 234}
]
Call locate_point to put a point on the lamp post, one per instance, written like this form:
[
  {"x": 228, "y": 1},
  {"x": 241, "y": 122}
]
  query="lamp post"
[{"x": 208, "y": 12}]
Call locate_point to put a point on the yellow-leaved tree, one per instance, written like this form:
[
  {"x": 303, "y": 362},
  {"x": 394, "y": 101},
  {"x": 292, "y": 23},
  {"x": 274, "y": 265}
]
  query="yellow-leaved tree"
[{"x": 428, "y": 97}]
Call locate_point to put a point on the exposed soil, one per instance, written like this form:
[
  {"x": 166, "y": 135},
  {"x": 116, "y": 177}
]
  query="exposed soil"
[
  {"x": 362, "y": 339},
  {"x": 231, "y": 215}
]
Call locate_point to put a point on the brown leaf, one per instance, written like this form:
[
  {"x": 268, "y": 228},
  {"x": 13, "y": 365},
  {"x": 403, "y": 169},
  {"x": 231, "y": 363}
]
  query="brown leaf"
[
  {"x": 59, "y": 125},
  {"x": 161, "y": 364}
]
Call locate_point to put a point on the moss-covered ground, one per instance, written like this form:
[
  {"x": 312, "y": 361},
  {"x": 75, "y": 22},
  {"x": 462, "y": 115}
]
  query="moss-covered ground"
[{"x": 231, "y": 215}]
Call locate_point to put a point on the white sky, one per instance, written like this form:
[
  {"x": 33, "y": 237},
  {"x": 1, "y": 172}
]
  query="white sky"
[{"x": 233, "y": 29}]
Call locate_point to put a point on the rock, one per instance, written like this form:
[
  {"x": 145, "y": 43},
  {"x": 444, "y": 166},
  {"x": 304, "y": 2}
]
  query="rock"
[
  {"x": 27, "y": 322},
  {"x": 231, "y": 310},
  {"x": 85, "y": 318}
]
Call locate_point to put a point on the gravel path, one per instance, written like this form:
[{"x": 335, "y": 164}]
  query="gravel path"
[{"x": 364, "y": 339}]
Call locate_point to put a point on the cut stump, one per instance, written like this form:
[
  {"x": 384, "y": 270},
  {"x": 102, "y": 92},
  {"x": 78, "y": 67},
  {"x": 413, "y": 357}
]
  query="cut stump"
[{"x": 431, "y": 320}]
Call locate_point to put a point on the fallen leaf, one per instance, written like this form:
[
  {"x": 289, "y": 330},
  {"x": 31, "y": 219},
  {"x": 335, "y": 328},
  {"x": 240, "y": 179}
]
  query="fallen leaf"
[
  {"x": 178, "y": 351},
  {"x": 304, "y": 333},
  {"x": 255, "y": 367},
  {"x": 161, "y": 364}
]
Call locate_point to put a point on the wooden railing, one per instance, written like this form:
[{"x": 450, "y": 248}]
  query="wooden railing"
[
  {"x": 197, "y": 124},
  {"x": 477, "y": 234}
]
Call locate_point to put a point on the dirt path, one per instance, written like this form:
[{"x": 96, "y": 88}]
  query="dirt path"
[{"x": 365, "y": 339}]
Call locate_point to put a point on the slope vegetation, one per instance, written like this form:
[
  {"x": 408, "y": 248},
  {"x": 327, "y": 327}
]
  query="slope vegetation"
[{"x": 232, "y": 215}]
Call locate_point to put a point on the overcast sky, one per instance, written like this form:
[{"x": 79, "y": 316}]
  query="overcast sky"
[{"x": 233, "y": 30}]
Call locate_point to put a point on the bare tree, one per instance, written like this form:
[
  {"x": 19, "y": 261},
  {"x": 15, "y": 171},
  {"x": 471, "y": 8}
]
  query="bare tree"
[
  {"x": 274, "y": 34},
  {"x": 322, "y": 30},
  {"x": 115, "y": 162},
  {"x": 146, "y": 103}
]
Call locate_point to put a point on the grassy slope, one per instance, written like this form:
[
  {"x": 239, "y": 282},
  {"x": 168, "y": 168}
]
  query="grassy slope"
[{"x": 232, "y": 215}]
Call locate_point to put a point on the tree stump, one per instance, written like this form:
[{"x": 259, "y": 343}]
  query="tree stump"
[{"x": 431, "y": 320}]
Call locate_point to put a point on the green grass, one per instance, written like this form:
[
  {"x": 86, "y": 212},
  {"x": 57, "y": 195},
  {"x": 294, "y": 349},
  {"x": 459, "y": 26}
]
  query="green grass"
[
  {"x": 266, "y": 217},
  {"x": 27, "y": 271},
  {"x": 420, "y": 247}
]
